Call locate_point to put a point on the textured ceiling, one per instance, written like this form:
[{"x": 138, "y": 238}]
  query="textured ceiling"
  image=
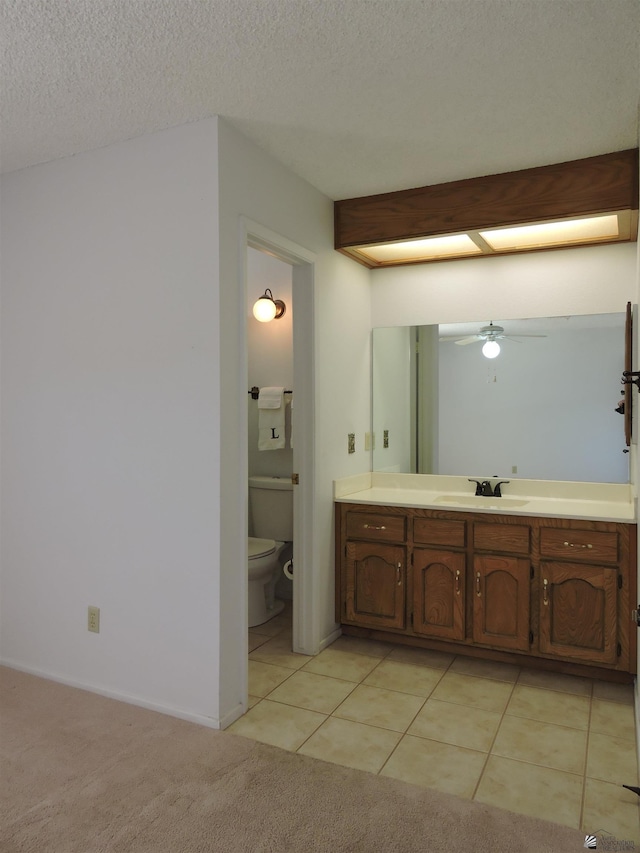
[{"x": 356, "y": 96}]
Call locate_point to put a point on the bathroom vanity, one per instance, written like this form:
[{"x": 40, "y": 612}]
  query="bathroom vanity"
[{"x": 544, "y": 579}]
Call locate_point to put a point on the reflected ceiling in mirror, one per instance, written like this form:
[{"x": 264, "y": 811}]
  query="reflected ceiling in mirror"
[{"x": 544, "y": 408}]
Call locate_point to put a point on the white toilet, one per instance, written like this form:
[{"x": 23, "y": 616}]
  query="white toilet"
[{"x": 271, "y": 526}]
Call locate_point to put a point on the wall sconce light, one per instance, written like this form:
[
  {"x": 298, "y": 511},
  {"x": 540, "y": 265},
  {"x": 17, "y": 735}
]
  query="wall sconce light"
[
  {"x": 491, "y": 349},
  {"x": 267, "y": 308}
]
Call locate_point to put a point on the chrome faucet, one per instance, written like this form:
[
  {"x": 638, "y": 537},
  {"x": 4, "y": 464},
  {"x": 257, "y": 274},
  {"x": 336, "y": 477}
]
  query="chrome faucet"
[{"x": 485, "y": 488}]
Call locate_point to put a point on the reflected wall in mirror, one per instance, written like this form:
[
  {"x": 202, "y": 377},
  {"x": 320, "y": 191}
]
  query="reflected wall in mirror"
[{"x": 544, "y": 408}]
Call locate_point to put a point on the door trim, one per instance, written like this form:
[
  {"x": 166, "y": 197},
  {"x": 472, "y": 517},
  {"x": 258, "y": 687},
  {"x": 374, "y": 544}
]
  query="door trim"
[{"x": 252, "y": 234}]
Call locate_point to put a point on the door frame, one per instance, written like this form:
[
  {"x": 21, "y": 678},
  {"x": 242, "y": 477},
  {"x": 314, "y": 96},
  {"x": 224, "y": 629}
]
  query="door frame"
[{"x": 302, "y": 261}]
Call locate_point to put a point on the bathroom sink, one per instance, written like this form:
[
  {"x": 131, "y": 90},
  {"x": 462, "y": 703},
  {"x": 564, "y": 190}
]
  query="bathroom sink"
[{"x": 479, "y": 501}]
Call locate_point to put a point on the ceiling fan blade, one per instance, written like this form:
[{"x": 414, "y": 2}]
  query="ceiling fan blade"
[{"x": 488, "y": 333}]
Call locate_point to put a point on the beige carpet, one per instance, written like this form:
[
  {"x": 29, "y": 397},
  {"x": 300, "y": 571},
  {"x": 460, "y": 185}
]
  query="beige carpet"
[{"x": 85, "y": 774}]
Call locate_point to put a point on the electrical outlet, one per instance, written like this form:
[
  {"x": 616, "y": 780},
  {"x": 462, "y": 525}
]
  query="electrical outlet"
[
  {"x": 514, "y": 469},
  {"x": 351, "y": 442},
  {"x": 385, "y": 438},
  {"x": 93, "y": 619}
]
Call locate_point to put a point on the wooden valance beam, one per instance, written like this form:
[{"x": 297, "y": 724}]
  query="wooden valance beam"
[{"x": 605, "y": 183}]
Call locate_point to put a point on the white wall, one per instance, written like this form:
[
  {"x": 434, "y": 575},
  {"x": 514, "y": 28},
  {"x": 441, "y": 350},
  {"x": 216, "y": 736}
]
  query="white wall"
[
  {"x": 254, "y": 186},
  {"x": 110, "y": 422},
  {"x": 594, "y": 280},
  {"x": 124, "y": 417}
]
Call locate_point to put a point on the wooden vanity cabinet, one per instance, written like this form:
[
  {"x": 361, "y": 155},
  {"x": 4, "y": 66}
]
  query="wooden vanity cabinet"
[
  {"x": 439, "y": 584},
  {"x": 579, "y": 612},
  {"x": 501, "y": 585},
  {"x": 554, "y": 592},
  {"x": 501, "y": 602},
  {"x": 581, "y": 581},
  {"x": 438, "y": 563},
  {"x": 375, "y": 584},
  {"x": 374, "y": 576}
]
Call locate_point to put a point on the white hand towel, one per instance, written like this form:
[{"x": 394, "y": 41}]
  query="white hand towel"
[
  {"x": 270, "y": 398},
  {"x": 271, "y": 419}
]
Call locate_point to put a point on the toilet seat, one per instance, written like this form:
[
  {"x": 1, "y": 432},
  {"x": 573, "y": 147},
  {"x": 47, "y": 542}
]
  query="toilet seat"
[{"x": 260, "y": 547}]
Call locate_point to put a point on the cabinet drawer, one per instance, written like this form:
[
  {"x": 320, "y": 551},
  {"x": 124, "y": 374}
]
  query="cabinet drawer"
[
  {"x": 433, "y": 531},
  {"x": 591, "y": 546},
  {"x": 507, "y": 538},
  {"x": 376, "y": 526}
]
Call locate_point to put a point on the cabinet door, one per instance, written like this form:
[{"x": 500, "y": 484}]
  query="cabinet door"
[
  {"x": 578, "y": 612},
  {"x": 375, "y": 585},
  {"x": 438, "y": 593},
  {"x": 501, "y": 588}
]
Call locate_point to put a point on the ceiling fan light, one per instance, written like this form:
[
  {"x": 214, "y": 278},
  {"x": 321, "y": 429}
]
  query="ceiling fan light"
[{"x": 490, "y": 349}]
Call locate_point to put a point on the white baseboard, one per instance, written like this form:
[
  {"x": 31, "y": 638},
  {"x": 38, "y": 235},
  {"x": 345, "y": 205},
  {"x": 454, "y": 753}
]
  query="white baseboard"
[
  {"x": 180, "y": 714},
  {"x": 330, "y": 639},
  {"x": 233, "y": 715},
  {"x": 321, "y": 645}
]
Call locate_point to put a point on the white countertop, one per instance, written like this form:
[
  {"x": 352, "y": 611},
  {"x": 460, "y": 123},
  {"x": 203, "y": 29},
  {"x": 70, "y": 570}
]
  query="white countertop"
[{"x": 551, "y": 498}]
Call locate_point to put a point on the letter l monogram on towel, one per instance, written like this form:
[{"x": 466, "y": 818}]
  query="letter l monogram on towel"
[{"x": 271, "y": 418}]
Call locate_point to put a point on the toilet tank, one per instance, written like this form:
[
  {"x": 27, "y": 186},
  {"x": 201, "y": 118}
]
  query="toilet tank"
[{"x": 271, "y": 508}]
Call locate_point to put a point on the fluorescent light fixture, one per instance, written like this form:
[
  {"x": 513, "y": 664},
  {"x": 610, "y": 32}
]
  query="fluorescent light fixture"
[
  {"x": 610, "y": 227},
  {"x": 491, "y": 349},
  {"x": 567, "y": 232},
  {"x": 430, "y": 248}
]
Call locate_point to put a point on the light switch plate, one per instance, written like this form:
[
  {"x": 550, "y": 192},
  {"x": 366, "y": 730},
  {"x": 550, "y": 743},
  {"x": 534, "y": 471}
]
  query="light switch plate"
[{"x": 93, "y": 619}]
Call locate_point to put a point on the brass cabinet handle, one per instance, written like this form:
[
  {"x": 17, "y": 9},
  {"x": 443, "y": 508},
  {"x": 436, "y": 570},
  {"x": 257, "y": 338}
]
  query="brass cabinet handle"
[
  {"x": 572, "y": 545},
  {"x": 478, "y": 584},
  {"x": 545, "y": 592},
  {"x": 458, "y": 582},
  {"x": 373, "y": 527},
  {"x": 398, "y": 575}
]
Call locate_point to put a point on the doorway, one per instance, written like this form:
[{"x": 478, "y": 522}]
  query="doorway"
[
  {"x": 301, "y": 263},
  {"x": 270, "y": 363}
]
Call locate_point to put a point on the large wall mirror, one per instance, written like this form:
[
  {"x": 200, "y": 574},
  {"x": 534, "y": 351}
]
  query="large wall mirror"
[{"x": 543, "y": 408}]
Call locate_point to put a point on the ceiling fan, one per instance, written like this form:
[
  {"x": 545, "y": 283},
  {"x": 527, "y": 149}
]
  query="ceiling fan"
[
  {"x": 488, "y": 333},
  {"x": 489, "y": 337}
]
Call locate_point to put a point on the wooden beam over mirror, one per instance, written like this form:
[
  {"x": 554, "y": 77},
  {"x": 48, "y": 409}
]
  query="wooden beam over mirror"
[{"x": 579, "y": 188}]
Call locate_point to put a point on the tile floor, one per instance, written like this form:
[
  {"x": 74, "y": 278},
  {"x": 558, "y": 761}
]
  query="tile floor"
[{"x": 541, "y": 744}]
